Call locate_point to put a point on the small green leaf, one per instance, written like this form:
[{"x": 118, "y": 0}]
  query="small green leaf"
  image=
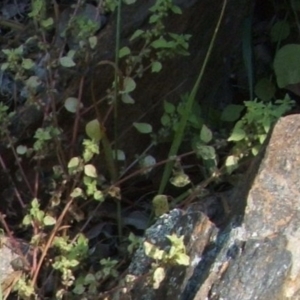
[
  {"x": 153, "y": 252},
  {"x": 158, "y": 276},
  {"x": 255, "y": 150},
  {"x": 205, "y": 134},
  {"x": 71, "y": 104},
  {"x": 120, "y": 155},
  {"x": 48, "y": 23},
  {"x": 169, "y": 108},
  {"x": 206, "y": 152},
  {"x": 67, "y": 62},
  {"x": 93, "y": 41},
  {"x": 129, "y": 85},
  {"x": 74, "y": 163},
  {"x": 93, "y": 130},
  {"x": 136, "y": 34},
  {"x": 98, "y": 196},
  {"x": 238, "y": 134},
  {"x": 182, "y": 259},
  {"x": 77, "y": 192},
  {"x": 147, "y": 162},
  {"x": 21, "y": 149},
  {"x": 160, "y": 205},
  {"x": 4, "y": 66},
  {"x": 180, "y": 179},
  {"x": 265, "y": 89},
  {"x": 124, "y": 51},
  {"x": 154, "y": 18},
  {"x": 286, "y": 65},
  {"x": 33, "y": 82},
  {"x": 156, "y": 66},
  {"x": 49, "y": 220},
  {"x": 90, "y": 171},
  {"x": 176, "y": 9},
  {"x": 280, "y": 31},
  {"x": 143, "y": 127},
  {"x": 127, "y": 99},
  {"x": 27, "y": 220},
  {"x": 231, "y": 163},
  {"x": 165, "y": 120},
  {"x": 161, "y": 43},
  {"x": 27, "y": 63},
  {"x": 232, "y": 112},
  {"x": 129, "y": 2}
]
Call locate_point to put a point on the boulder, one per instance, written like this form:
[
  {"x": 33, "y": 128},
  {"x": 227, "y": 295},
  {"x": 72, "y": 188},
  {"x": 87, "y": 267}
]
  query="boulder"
[{"x": 255, "y": 255}]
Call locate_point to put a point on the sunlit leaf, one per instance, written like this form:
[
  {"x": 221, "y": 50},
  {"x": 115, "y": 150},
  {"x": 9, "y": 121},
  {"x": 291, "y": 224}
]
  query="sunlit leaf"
[
  {"x": 158, "y": 276},
  {"x": 90, "y": 171},
  {"x": 160, "y": 205},
  {"x": 49, "y": 220}
]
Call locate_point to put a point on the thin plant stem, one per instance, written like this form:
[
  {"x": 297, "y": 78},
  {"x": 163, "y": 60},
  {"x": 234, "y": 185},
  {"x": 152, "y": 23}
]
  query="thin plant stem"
[
  {"x": 117, "y": 81},
  {"x": 190, "y": 101}
]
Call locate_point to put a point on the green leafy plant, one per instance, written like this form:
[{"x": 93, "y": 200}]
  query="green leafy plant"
[
  {"x": 176, "y": 255},
  {"x": 250, "y": 132}
]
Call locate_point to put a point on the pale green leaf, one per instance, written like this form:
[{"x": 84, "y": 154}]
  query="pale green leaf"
[
  {"x": 90, "y": 171},
  {"x": 27, "y": 220},
  {"x": 153, "y": 252},
  {"x": 124, "y": 51},
  {"x": 120, "y": 155},
  {"x": 238, "y": 134},
  {"x": 127, "y": 99},
  {"x": 182, "y": 259},
  {"x": 27, "y": 63},
  {"x": 93, "y": 130},
  {"x": 49, "y": 220},
  {"x": 206, "y": 152},
  {"x": 231, "y": 163},
  {"x": 71, "y": 104},
  {"x": 48, "y": 23},
  {"x": 21, "y": 149},
  {"x": 77, "y": 192},
  {"x": 143, "y": 127},
  {"x": 205, "y": 134},
  {"x": 74, "y": 163},
  {"x": 156, "y": 66},
  {"x": 180, "y": 179},
  {"x": 129, "y": 85},
  {"x": 93, "y": 41},
  {"x": 67, "y": 62},
  {"x": 158, "y": 276},
  {"x": 160, "y": 205}
]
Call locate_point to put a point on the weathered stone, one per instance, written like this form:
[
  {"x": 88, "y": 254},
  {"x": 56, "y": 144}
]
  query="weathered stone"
[
  {"x": 256, "y": 256},
  {"x": 266, "y": 263}
]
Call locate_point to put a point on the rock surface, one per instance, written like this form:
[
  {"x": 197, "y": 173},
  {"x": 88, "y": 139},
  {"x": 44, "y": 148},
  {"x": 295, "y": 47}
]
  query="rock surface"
[{"x": 256, "y": 256}]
